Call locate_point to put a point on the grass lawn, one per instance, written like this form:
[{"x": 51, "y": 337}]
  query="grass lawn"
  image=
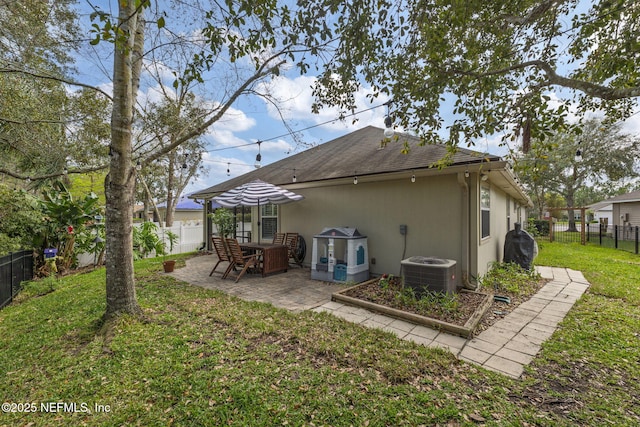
[{"x": 206, "y": 358}]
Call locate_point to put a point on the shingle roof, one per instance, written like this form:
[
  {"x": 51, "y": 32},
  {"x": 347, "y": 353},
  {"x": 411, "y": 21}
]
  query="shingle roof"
[
  {"x": 633, "y": 196},
  {"x": 184, "y": 204},
  {"x": 357, "y": 153}
]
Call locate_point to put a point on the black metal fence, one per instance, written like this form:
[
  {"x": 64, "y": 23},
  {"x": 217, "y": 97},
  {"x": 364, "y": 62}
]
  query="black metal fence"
[
  {"x": 621, "y": 237},
  {"x": 624, "y": 237},
  {"x": 14, "y": 269}
]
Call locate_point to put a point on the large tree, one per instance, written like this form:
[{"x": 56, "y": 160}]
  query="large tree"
[
  {"x": 492, "y": 65},
  {"x": 481, "y": 68},
  {"x": 601, "y": 158},
  {"x": 239, "y": 44},
  {"x": 163, "y": 123}
]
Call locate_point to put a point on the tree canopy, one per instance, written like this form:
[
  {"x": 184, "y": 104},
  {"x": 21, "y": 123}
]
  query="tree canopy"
[
  {"x": 466, "y": 69},
  {"x": 455, "y": 71},
  {"x": 601, "y": 159}
]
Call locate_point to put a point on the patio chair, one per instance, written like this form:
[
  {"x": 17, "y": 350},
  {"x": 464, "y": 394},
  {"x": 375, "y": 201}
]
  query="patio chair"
[
  {"x": 278, "y": 239},
  {"x": 291, "y": 241},
  {"x": 239, "y": 260},
  {"x": 223, "y": 255}
]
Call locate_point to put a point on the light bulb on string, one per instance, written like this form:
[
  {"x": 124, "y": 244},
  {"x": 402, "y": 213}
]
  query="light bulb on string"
[
  {"x": 257, "y": 164},
  {"x": 388, "y": 123}
]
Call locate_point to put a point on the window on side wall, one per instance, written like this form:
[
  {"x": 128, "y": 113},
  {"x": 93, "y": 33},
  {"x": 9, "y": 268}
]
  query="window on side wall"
[
  {"x": 485, "y": 211},
  {"x": 269, "y": 221}
]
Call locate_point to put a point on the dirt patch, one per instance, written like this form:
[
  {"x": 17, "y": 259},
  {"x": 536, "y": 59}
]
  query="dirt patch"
[{"x": 454, "y": 309}]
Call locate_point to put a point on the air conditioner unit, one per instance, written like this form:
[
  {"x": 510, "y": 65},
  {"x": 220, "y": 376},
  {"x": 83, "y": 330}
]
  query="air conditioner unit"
[{"x": 429, "y": 274}]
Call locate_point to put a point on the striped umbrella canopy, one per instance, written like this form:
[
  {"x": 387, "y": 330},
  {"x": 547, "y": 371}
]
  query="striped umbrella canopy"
[{"x": 255, "y": 193}]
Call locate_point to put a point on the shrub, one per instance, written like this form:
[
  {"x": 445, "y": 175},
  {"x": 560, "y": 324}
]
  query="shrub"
[
  {"x": 20, "y": 220},
  {"x": 224, "y": 221},
  {"x": 509, "y": 277}
]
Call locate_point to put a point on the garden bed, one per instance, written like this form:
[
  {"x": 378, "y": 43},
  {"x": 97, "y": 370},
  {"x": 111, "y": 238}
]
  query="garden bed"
[{"x": 459, "y": 314}]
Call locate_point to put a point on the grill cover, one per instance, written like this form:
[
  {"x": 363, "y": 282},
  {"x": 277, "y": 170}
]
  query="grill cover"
[{"x": 520, "y": 247}]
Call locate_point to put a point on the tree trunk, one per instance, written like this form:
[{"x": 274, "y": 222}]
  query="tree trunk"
[
  {"x": 168, "y": 212},
  {"x": 120, "y": 181},
  {"x": 570, "y": 202}
]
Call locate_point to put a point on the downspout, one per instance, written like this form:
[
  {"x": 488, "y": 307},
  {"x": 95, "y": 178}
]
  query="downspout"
[{"x": 465, "y": 226}]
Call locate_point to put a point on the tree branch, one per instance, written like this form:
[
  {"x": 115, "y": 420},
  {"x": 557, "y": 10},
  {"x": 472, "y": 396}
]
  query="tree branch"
[
  {"x": 54, "y": 78},
  {"x": 262, "y": 72},
  {"x": 553, "y": 78},
  {"x": 17, "y": 175}
]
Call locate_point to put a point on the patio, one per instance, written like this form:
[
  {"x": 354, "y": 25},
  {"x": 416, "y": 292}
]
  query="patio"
[
  {"x": 505, "y": 347},
  {"x": 293, "y": 290}
]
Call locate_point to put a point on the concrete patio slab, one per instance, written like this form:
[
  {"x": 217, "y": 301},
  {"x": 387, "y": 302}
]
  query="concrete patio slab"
[{"x": 506, "y": 347}]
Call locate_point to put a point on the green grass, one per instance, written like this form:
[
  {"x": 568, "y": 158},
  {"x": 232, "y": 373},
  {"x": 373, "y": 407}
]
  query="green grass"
[
  {"x": 206, "y": 358},
  {"x": 612, "y": 273}
]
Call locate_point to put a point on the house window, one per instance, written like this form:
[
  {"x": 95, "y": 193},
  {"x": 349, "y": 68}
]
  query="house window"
[
  {"x": 485, "y": 210},
  {"x": 269, "y": 221}
]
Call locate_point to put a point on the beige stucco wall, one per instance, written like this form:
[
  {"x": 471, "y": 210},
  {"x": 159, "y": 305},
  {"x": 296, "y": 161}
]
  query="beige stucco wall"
[
  {"x": 631, "y": 209},
  {"x": 431, "y": 208},
  {"x": 491, "y": 248},
  {"x": 191, "y": 215}
]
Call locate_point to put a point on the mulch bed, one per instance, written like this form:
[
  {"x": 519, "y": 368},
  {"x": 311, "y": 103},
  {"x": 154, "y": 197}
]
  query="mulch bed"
[{"x": 467, "y": 303}]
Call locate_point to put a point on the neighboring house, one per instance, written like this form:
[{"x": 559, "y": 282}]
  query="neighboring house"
[
  {"x": 461, "y": 212},
  {"x": 602, "y": 212},
  {"x": 186, "y": 210},
  {"x": 625, "y": 209},
  {"x": 139, "y": 213}
]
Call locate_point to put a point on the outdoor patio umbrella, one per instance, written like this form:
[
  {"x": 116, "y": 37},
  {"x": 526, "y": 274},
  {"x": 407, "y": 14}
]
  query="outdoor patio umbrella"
[{"x": 255, "y": 193}]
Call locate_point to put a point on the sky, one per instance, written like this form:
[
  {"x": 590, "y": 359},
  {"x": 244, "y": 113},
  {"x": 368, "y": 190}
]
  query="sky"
[
  {"x": 231, "y": 142},
  {"x": 253, "y": 120}
]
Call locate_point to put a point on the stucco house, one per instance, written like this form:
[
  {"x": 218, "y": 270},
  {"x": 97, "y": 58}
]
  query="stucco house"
[
  {"x": 602, "y": 212},
  {"x": 624, "y": 209},
  {"x": 461, "y": 212},
  {"x": 187, "y": 210}
]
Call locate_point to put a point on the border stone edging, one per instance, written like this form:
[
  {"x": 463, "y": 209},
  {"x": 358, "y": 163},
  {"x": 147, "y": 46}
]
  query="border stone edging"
[{"x": 465, "y": 331}]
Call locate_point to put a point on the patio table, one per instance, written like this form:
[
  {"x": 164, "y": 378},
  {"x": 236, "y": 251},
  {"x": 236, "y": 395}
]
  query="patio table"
[{"x": 275, "y": 258}]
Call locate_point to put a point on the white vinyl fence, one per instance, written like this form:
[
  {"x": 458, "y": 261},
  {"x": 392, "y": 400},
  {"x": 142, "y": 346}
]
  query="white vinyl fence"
[{"x": 190, "y": 238}]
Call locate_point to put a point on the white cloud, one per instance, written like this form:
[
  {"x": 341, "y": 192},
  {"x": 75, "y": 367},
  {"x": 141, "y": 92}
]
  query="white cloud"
[
  {"x": 233, "y": 120},
  {"x": 632, "y": 124},
  {"x": 217, "y": 166},
  {"x": 279, "y": 146},
  {"x": 295, "y": 98}
]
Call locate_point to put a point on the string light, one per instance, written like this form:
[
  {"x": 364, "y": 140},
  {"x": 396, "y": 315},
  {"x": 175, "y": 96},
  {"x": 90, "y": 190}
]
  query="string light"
[
  {"x": 292, "y": 132},
  {"x": 228, "y": 165},
  {"x": 579, "y": 153},
  {"x": 294, "y": 175},
  {"x": 355, "y": 178},
  {"x": 413, "y": 178},
  {"x": 388, "y": 131},
  {"x": 258, "y": 156}
]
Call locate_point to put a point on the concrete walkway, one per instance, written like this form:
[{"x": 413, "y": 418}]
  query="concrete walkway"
[{"x": 507, "y": 346}]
